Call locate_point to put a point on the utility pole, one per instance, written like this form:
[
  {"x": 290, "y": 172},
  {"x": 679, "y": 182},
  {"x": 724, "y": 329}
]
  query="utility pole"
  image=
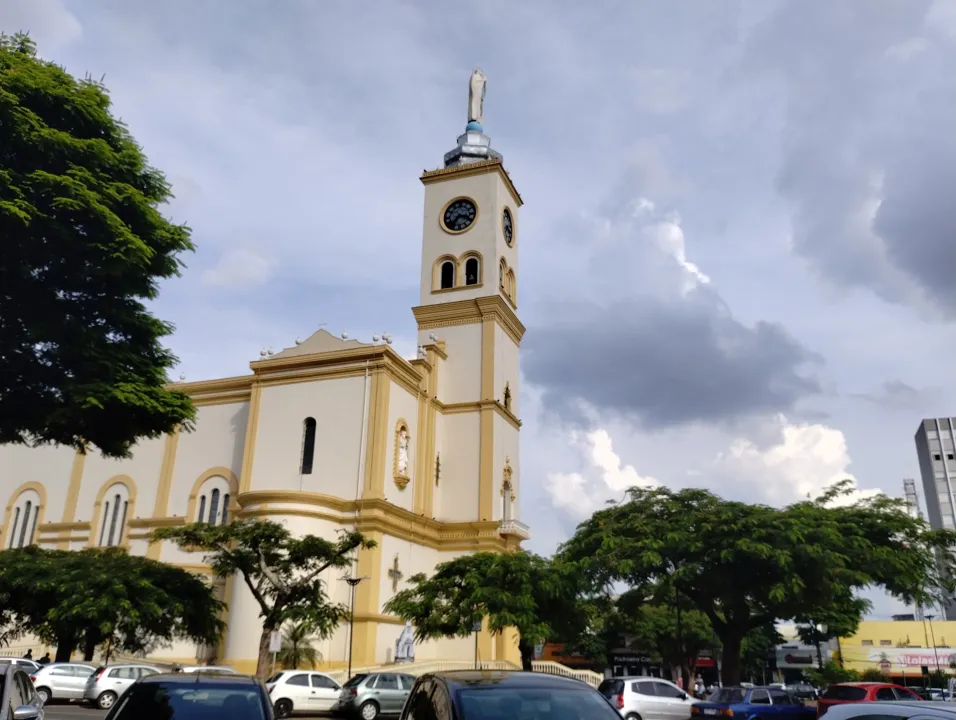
[
  {"x": 352, "y": 581},
  {"x": 680, "y": 638}
]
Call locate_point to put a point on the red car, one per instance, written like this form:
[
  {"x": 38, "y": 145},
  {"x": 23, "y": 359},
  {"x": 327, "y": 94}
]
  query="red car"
[{"x": 854, "y": 692}]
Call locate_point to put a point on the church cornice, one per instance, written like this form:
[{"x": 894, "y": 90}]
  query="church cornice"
[
  {"x": 480, "y": 167},
  {"x": 464, "y": 312}
]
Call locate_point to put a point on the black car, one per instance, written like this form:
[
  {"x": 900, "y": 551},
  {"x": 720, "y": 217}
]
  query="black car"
[
  {"x": 18, "y": 699},
  {"x": 504, "y": 695},
  {"x": 193, "y": 696}
]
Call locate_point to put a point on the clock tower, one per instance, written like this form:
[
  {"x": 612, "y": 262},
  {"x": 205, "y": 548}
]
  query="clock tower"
[{"x": 468, "y": 322}]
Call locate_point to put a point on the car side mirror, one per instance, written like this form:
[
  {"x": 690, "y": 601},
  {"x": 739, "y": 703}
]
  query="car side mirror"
[
  {"x": 683, "y": 696},
  {"x": 26, "y": 712}
]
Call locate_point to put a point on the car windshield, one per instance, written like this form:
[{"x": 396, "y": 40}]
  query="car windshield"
[
  {"x": 609, "y": 688},
  {"x": 847, "y": 693},
  {"x": 275, "y": 678},
  {"x": 186, "y": 701},
  {"x": 728, "y": 696},
  {"x": 355, "y": 681},
  {"x": 504, "y": 703}
]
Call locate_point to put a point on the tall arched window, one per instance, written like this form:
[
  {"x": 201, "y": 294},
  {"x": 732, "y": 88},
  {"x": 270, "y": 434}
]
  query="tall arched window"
[
  {"x": 113, "y": 515},
  {"x": 26, "y": 509},
  {"x": 308, "y": 445},
  {"x": 502, "y": 271},
  {"x": 447, "y": 275},
  {"x": 511, "y": 285},
  {"x": 472, "y": 271},
  {"x": 214, "y": 501}
]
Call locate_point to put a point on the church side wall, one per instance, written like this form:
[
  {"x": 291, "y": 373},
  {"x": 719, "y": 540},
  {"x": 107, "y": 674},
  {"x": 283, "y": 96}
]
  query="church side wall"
[
  {"x": 48, "y": 466},
  {"x": 402, "y": 408},
  {"x": 460, "y": 377},
  {"x": 337, "y": 405},
  {"x": 507, "y": 445},
  {"x": 507, "y": 369},
  {"x": 460, "y": 461}
]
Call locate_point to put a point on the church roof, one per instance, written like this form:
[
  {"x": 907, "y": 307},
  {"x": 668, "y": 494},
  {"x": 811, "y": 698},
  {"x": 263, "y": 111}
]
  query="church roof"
[{"x": 319, "y": 342}]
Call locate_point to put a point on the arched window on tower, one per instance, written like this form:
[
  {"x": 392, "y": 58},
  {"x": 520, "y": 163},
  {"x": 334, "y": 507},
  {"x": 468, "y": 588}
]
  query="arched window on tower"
[
  {"x": 472, "y": 271},
  {"x": 512, "y": 294},
  {"x": 308, "y": 445},
  {"x": 113, "y": 515},
  {"x": 502, "y": 272},
  {"x": 447, "y": 275},
  {"x": 26, "y": 509}
]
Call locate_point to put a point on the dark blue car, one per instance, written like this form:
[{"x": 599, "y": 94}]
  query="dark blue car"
[{"x": 752, "y": 703}]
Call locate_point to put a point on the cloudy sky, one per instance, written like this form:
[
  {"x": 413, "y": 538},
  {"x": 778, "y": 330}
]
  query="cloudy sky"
[{"x": 739, "y": 237}]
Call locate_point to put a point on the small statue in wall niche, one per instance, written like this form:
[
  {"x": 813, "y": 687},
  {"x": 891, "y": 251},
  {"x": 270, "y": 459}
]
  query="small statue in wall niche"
[
  {"x": 403, "y": 452},
  {"x": 437, "y": 467},
  {"x": 507, "y": 396}
]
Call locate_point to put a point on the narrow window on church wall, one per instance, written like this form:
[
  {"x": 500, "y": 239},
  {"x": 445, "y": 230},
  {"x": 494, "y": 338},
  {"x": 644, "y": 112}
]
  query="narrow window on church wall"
[
  {"x": 122, "y": 523},
  {"x": 13, "y": 529},
  {"x": 511, "y": 285},
  {"x": 225, "y": 508},
  {"x": 308, "y": 446},
  {"x": 23, "y": 526},
  {"x": 214, "y": 506},
  {"x": 106, "y": 515},
  {"x": 202, "y": 509},
  {"x": 114, "y": 518},
  {"x": 447, "y": 275},
  {"x": 472, "y": 271},
  {"x": 33, "y": 525},
  {"x": 502, "y": 267}
]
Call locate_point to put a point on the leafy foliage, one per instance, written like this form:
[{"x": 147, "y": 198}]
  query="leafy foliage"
[
  {"x": 519, "y": 590},
  {"x": 281, "y": 571},
  {"x": 830, "y": 674},
  {"x": 745, "y": 566},
  {"x": 84, "y": 247},
  {"x": 105, "y": 596},
  {"x": 297, "y": 649}
]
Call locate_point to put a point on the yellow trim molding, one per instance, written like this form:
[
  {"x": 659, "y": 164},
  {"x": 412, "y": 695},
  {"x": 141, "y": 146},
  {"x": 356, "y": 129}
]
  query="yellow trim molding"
[
  {"x": 377, "y": 435},
  {"x": 469, "y": 170},
  {"x": 161, "y": 504},
  {"x": 441, "y": 215},
  {"x": 249, "y": 442},
  {"x": 72, "y": 496},
  {"x": 98, "y": 508},
  {"x": 465, "y": 312},
  {"x": 41, "y": 511}
]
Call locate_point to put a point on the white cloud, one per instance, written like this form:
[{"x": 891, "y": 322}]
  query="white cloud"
[
  {"x": 240, "y": 267},
  {"x": 669, "y": 237},
  {"x": 580, "y": 494}
]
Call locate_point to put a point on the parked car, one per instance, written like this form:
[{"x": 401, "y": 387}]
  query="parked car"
[
  {"x": 902, "y": 709},
  {"x": 107, "y": 684},
  {"x": 368, "y": 696},
  {"x": 803, "y": 691},
  {"x": 295, "y": 691},
  {"x": 763, "y": 703},
  {"x": 182, "y": 696},
  {"x": 61, "y": 681},
  {"x": 28, "y": 665},
  {"x": 18, "y": 699},
  {"x": 647, "y": 698},
  {"x": 504, "y": 695},
  {"x": 843, "y": 693},
  {"x": 211, "y": 669}
]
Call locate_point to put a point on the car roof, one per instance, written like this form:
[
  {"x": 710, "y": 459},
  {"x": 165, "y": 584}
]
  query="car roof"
[
  {"x": 198, "y": 679},
  {"x": 508, "y": 678}
]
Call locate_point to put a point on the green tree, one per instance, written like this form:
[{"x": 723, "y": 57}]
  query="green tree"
[
  {"x": 519, "y": 590},
  {"x": 841, "y": 619},
  {"x": 297, "y": 649},
  {"x": 281, "y": 571},
  {"x": 745, "y": 566},
  {"x": 84, "y": 248},
  {"x": 756, "y": 648},
  {"x": 830, "y": 674},
  {"x": 105, "y": 597}
]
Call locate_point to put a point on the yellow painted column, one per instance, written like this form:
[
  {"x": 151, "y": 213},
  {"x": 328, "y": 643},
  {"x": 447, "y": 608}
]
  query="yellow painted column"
[
  {"x": 72, "y": 498},
  {"x": 161, "y": 504},
  {"x": 377, "y": 436},
  {"x": 486, "y": 462},
  {"x": 249, "y": 445},
  {"x": 364, "y": 631}
]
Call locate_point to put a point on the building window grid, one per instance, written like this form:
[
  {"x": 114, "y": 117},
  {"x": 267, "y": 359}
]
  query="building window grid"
[{"x": 947, "y": 517}]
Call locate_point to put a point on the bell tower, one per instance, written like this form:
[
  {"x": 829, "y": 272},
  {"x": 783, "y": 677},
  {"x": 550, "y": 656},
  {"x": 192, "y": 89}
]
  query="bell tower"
[{"x": 469, "y": 302}]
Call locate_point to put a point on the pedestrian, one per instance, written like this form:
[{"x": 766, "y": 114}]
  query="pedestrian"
[
  {"x": 29, "y": 654},
  {"x": 45, "y": 660}
]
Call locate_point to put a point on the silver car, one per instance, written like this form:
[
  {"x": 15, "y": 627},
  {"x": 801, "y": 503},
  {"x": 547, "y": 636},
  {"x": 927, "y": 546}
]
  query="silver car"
[
  {"x": 889, "y": 710},
  {"x": 61, "y": 681},
  {"x": 368, "y": 696},
  {"x": 107, "y": 685},
  {"x": 18, "y": 699}
]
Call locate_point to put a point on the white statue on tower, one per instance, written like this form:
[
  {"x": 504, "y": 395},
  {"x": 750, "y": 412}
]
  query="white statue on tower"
[
  {"x": 403, "y": 452},
  {"x": 476, "y": 97}
]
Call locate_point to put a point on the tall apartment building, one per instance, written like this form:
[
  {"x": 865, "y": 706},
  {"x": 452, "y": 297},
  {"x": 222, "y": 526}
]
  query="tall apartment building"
[
  {"x": 936, "y": 451},
  {"x": 913, "y": 507}
]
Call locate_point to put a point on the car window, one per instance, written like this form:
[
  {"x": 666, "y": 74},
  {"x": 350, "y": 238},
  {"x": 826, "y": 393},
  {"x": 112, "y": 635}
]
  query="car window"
[
  {"x": 80, "y": 670},
  {"x": 780, "y": 697},
  {"x": 844, "y": 693},
  {"x": 728, "y": 696},
  {"x": 609, "y": 688},
  {"x": 408, "y": 681},
  {"x": 419, "y": 704},
  {"x": 123, "y": 673},
  {"x": 175, "y": 701},
  {"x": 759, "y": 697},
  {"x": 146, "y": 672},
  {"x": 662, "y": 689},
  {"x": 642, "y": 688},
  {"x": 61, "y": 671},
  {"x": 355, "y": 680},
  {"x": 326, "y": 683},
  {"x": 500, "y": 702},
  {"x": 904, "y": 694},
  {"x": 26, "y": 687},
  {"x": 885, "y": 694},
  {"x": 300, "y": 679},
  {"x": 387, "y": 682},
  {"x": 275, "y": 678}
]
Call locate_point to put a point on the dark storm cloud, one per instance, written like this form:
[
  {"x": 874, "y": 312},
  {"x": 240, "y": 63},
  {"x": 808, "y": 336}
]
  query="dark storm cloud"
[
  {"x": 869, "y": 147},
  {"x": 666, "y": 363}
]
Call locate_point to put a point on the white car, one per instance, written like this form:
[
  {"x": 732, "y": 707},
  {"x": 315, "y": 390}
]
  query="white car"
[
  {"x": 211, "y": 669},
  {"x": 647, "y": 698},
  {"x": 903, "y": 710},
  {"x": 61, "y": 681},
  {"x": 107, "y": 684},
  {"x": 299, "y": 691},
  {"x": 28, "y": 665}
]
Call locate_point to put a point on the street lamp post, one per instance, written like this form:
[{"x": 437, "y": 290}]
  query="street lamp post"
[
  {"x": 352, "y": 581},
  {"x": 680, "y": 639},
  {"x": 933, "y": 636},
  {"x": 821, "y": 633}
]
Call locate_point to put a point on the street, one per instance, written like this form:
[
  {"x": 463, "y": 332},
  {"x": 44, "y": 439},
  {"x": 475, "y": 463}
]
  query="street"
[{"x": 72, "y": 711}]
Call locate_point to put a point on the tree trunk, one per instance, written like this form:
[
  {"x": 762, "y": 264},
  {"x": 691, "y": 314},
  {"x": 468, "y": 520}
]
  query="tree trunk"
[
  {"x": 527, "y": 654},
  {"x": 730, "y": 670},
  {"x": 65, "y": 642},
  {"x": 264, "y": 665},
  {"x": 89, "y": 649}
]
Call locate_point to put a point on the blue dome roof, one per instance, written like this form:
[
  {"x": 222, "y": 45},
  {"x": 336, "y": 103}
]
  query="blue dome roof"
[{"x": 474, "y": 126}]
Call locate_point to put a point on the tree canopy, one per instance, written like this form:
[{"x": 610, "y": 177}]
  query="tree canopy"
[
  {"x": 745, "y": 566},
  {"x": 105, "y": 597},
  {"x": 519, "y": 590},
  {"x": 281, "y": 571},
  {"x": 84, "y": 247}
]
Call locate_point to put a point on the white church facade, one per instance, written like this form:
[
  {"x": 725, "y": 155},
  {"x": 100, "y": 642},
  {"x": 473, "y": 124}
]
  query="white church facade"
[{"x": 420, "y": 455}]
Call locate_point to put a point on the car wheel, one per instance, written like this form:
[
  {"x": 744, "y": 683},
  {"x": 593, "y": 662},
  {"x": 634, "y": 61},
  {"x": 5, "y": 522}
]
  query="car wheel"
[
  {"x": 44, "y": 694},
  {"x": 369, "y": 710},
  {"x": 283, "y": 708},
  {"x": 105, "y": 700}
]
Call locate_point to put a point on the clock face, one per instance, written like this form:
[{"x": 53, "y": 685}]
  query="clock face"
[
  {"x": 459, "y": 215},
  {"x": 507, "y": 226}
]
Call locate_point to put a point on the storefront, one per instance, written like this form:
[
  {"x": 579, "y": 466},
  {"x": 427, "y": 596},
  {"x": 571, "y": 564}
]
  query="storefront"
[{"x": 793, "y": 659}]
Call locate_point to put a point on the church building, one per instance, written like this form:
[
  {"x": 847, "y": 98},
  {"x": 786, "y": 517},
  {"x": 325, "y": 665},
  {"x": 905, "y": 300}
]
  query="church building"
[{"x": 420, "y": 455}]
